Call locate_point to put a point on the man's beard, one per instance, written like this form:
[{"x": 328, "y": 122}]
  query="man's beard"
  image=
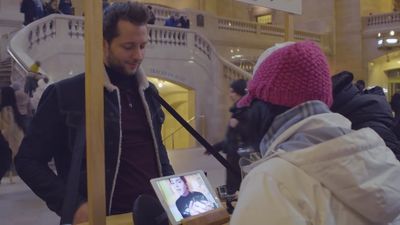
[{"x": 118, "y": 68}]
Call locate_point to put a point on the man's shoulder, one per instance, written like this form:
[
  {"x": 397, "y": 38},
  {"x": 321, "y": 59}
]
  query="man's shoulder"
[
  {"x": 71, "y": 92},
  {"x": 78, "y": 80}
]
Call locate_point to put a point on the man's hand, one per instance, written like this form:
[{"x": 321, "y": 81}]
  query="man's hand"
[
  {"x": 197, "y": 207},
  {"x": 81, "y": 214}
]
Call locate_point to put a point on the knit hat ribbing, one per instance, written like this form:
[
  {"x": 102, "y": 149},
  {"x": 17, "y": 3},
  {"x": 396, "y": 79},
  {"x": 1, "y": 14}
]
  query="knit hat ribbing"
[{"x": 290, "y": 75}]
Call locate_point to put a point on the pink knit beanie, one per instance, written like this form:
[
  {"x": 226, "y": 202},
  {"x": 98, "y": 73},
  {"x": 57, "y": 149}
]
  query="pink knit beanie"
[{"x": 292, "y": 74}]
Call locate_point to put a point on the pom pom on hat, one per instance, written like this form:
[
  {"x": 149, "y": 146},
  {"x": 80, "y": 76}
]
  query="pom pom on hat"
[{"x": 290, "y": 74}]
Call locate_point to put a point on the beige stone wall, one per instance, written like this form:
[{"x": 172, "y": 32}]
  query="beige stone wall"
[
  {"x": 210, "y": 6},
  {"x": 225, "y": 8},
  {"x": 317, "y": 16},
  {"x": 348, "y": 38},
  {"x": 377, "y": 75},
  {"x": 376, "y": 7}
]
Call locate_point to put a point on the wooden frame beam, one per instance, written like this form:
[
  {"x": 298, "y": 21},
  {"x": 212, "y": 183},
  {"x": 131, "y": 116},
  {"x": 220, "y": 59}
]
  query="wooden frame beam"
[
  {"x": 289, "y": 27},
  {"x": 94, "y": 100}
]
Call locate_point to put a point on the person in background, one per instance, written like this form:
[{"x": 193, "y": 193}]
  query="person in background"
[
  {"x": 172, "y": 21},
  {"x": 152, "y": 17},
  {"x": 28, "y": 8},
  {"x": 31, "y": 80},
  {"x": 35, "y": 67},
  {"x": 184, "y": 22},
  {"x": 134, "y": 152},
  {"x": 377, "y": 90},
  {"x": 11, "y": 121},
  {"x": 5, "y": 156},
  {"x": 65, "y": 7},
  {"x": 51, "y": 7},
  {"x": 39, "y": 9},
  {"x": 24, "y": 104},
  {"x": 230, "y": 145},
  {"x": 364, "y": 110},
  {"x": 314, "y": 168},
  {"x": 189, "y": 203},
  {"x": 395, "y": 104}
]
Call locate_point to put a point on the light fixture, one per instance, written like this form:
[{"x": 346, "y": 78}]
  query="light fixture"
[
  {"x": 388, "y": 40},
  {"x": 160, "y": 83},
  {"x": 231, "y": 50},
  {"x": 392, "y": 40},
  {"x": 237, "y": 56}
]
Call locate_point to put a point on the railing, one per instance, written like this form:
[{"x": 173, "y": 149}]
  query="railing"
[
  {"x": 229, "y": 24},
  {"x": 167, "y": 36},
  {"x": 162, "y": 13},
  {"x": 237, "y": 25},
  {"x": 169, "y": 140},
  {"x": 269, "y": 29},
  {"x": 230, "y": 71},
  {"x": 382, "y": 19},
  {"x": 264, "y": 29},
  {"x": 42, "y": 31},
  {"x": 245, "y": 64}
]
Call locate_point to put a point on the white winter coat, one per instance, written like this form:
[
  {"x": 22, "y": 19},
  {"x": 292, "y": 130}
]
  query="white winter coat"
[{"x": 351, "y": 179}]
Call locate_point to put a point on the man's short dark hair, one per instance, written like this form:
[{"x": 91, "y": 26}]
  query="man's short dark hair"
[{"x": 133, "y": 12}]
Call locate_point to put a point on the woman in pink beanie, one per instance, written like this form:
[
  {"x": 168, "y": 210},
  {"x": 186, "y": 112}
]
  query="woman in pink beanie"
[{"x": 314, "y": 168}]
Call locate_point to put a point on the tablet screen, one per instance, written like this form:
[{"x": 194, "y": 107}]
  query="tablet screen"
[{"x": 185, "y": 195}]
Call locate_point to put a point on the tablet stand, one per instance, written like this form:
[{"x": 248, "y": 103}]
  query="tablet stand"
[{"x": 214, "y": 217}]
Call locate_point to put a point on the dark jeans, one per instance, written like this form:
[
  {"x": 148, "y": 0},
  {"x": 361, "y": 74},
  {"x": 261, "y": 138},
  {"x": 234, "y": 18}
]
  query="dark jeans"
[
  {"x": 5, "y": 156},
  {"x": 26, "y": 120}
]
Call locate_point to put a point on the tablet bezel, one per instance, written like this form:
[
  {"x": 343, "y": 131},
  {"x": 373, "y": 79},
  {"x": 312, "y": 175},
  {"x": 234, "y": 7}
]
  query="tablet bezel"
[{"x": 160, "y": 193}]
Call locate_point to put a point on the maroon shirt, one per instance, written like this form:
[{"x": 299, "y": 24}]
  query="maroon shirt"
[{"x": 138, "y": 163}]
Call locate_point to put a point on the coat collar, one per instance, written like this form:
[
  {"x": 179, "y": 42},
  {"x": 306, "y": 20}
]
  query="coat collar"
[{"x": 140, "y": 76}]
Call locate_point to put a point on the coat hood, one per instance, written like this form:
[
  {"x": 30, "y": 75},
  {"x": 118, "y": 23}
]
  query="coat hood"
[{"x": 356, "y": 166}]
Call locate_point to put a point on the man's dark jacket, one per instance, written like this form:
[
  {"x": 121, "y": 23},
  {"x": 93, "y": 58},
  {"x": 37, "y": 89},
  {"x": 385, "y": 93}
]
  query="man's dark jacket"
[
  {"x": 364, "y": 110},
  {"x": 53, "y": 132}
]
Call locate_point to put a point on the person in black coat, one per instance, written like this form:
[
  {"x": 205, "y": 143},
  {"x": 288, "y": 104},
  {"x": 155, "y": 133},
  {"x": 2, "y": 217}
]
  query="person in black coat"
[
  {"x": 184, "y": 22},
  {"x": 28, "y": 9},
  {"x": 395, "y": 104},
  {"x": 152, "y": 17},
  {"x": 364, "y": 110},
  {"x": 230, "y": 144},
  {"x": 5, "y": 156}
]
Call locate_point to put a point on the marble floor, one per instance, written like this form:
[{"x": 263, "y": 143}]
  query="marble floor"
[{"x": 20, "y": 206}]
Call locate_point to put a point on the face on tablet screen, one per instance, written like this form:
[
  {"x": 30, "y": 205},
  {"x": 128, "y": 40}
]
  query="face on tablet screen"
[{"x": 186, "y": 196}]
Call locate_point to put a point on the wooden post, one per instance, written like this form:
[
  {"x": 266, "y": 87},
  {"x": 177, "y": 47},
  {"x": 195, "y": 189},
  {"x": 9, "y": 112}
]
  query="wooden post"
[
  {"x": 289, "y": 27},
  {"x": 94, "y": 85}
]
